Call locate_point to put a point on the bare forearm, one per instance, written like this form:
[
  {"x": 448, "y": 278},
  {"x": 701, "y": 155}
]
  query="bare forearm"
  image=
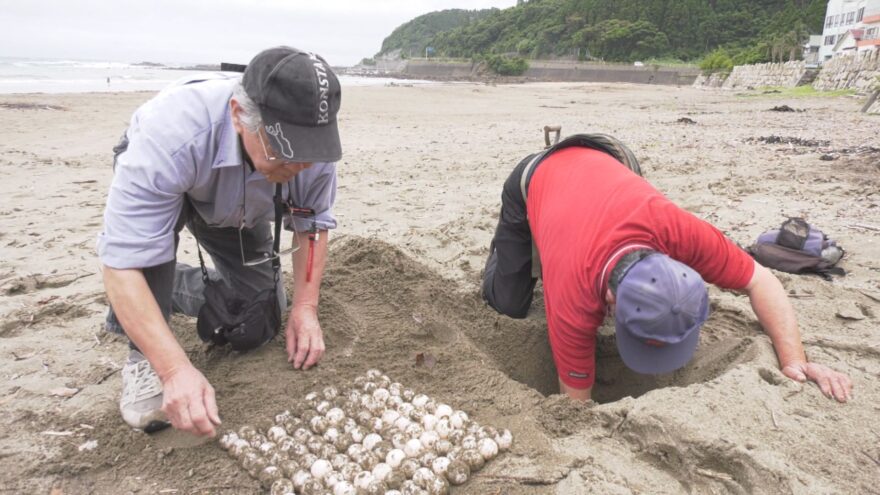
[
  {"x": 776, "y": 315},
  {"x": 307, "y": 292},
  {"x": 137, "y": 311}
]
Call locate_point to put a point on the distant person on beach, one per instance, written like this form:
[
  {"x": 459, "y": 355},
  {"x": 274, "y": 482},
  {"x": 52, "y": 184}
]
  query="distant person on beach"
[
  {"x": 605, "y": 241},
  {"x": 213, "y": 154}
]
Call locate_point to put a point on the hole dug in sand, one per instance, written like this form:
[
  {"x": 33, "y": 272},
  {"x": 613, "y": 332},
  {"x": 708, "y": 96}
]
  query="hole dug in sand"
[{"x": 727, "y": 341}]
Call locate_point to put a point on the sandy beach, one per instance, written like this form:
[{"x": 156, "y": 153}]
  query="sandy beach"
[{"x": 418, "y": 198}]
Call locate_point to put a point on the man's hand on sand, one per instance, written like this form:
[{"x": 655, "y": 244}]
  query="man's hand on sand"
[
  {"x": 831, "y": 383},
  {"x": 189, "y": 403},
  {"x": 305, "y": 340}
]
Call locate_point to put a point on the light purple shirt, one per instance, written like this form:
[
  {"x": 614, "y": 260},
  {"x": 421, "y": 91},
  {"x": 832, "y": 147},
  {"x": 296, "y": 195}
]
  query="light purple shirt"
[{"x": 182, "y": 143}]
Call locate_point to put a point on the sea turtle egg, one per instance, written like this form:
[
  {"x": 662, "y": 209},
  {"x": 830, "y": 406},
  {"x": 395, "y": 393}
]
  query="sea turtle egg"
[
  {"x": 348, "y": 425},
  {"x": 457, "y": 472},
  {"x": 323, "y": 407},
  {"x": 468, "y": 442},
  {"x": 363, "y": 417},
  {"x": 473, "y": 459},
  {"x": 381, "y": 471},
  {"x": 362, "y": 479},
  {"x": 330, "y": 393},
  {"x": 358, "y": 434},
  {"x": 443, "y": 411},
  {"x": 413, "y": 430},
  {"x": 372, "y": 374},
  {"x": 369, "y": 387},
  {"x": 383, "y": 381},
  {"x": 342, "y": 442},
  {"x": 395, "y": 389},
  {"x": 239, "y": 448},
  {"x": 344, "y": 488},
  {"x": 269, "y": 475},
  {"x": 302, "y": 435},
  {"x": 440, "y": 465},
  {"x": 382, "y": 448},
  {"x": 393, "y": 492},
  {"x": 375, "y": 487},
  {"x": 327, "y": 451},
  {"x": 299, "y": 478},
  {"x": 442, "y": 447},
  {"x": 456, "y": 436},
  {"x": 331, "y": 435},
  {"x": 311, "y": 397},
  {"x": 402, "y": 422},
  {"x": 291, "y": 424},
  {"x": 443, "y": 428},
  {"x": 504, "y": 439},
  {"x": 375, "y": 425},
  {"x": 308, "y": 459},
  {"x": 429, "y": 439},
  {"x": 349, "y": 470},
  {"x": 458, "y": 419},
  {"x": 319, "y": 424},
  {"x": 431, "y": 407},
  {"x": 276, "y": 433},
  {"x": 423, "y": 476},
  {"x": 331, "y": 479},
  {"x": 381, "y": 395},
  {"x": 438, "y": 486},
  {"x": 314, "y": 445},
  {"x": 427, "y": 458},
  {"x": 280, "y": 417},
  {"x": 282, "y": 487},
  {"x": 390, "y": 416},
  {"x": 413, "y": 447},
  {"x": 313, "y": 487},
  {"x": 288, "y": 467},
  {"x": 359, "y": 381},
  {"x": 338, "y": 460},
  {"x": 320, "y": 469},
  {"x": 275, "y": 458},
  {"x": 367, "y": 460},
  {"x": 408, "y": 467},
  {"x": 354, "y": 449},
  {"x": 247, "y": 432},
  {"x": 417, "y": 414},
  {"x": 394, "y": 402},
  {"x": 335, "y": 416},
  {"x": 249, "y": 460},
  {"x": 398, "y": 440},
  {"x": 420, "y": 400},
  {"x": 395, "y": 457},
  {"x": 429, "y": 421},
  {"x": 298, "y": 450},
  {"x": 488, "y": 448},
  {"x": 371, "y": 440},
  {"x": 227, "y": 440},
  {"x": 395, "y": 479},
  {"x": 407, "y": 394},
  {"x": 405, "y": 408},
  {"x": 266, "y": 448}
]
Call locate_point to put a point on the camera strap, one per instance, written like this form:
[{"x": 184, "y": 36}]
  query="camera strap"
[{"x": 276, "y": 243}]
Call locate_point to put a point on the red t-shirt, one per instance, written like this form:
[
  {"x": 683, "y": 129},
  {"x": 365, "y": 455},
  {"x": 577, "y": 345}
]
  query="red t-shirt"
[{"x": 584, "y": 206}]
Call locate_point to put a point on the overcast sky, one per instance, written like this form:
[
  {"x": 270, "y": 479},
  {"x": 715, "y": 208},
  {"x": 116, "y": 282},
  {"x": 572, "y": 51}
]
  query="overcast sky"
[{"x": 343, "y": 31}]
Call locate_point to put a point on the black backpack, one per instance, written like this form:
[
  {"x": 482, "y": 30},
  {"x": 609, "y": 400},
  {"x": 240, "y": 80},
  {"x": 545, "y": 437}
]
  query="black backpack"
[{"x": 798, "y": 247}]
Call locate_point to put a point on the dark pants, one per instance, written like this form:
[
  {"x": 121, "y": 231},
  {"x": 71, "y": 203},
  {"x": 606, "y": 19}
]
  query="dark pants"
[
  {"x": 179, "y": 288},
  {"x": 507, "y": 279}
]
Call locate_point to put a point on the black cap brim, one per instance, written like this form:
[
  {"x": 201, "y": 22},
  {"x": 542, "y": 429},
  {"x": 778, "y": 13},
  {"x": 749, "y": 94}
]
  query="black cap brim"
[{"x": 302, "y": 143}]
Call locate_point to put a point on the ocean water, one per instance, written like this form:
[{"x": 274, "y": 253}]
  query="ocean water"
[{"x": 20, "y": 75}]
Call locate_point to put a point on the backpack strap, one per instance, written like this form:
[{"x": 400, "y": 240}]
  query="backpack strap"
[{"x": 601, "y": 142}]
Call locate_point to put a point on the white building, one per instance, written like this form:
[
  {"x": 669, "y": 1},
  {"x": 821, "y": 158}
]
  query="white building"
[{"x": 850, "y": 25}]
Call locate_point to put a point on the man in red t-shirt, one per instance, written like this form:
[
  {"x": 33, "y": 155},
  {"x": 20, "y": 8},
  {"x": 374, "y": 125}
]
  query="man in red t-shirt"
[{"x": 609, "y": 241}]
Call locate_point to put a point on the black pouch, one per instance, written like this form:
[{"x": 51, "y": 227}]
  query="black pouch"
[
  {"x": 244, "y": 324},
  {"x": 228, "y": 318}
]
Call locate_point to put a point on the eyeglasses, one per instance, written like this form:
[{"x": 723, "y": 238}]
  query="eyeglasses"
[
  {"x": 264, "y": 257},
  {"x": 294, "y": 211},
  {"x": 272, "y": 159}
]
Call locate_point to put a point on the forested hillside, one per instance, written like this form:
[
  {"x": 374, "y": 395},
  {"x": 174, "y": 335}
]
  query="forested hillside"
[
  {"x": 746, "y": 31},
  {"x": 416, "y": 35}
]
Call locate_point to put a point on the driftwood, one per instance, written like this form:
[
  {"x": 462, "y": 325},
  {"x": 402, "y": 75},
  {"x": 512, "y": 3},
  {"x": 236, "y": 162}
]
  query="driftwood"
[{"x": 871, "y": 101}]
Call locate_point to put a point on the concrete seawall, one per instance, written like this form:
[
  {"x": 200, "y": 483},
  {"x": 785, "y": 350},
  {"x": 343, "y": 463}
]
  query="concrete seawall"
[{"x": 560, "y": 71}]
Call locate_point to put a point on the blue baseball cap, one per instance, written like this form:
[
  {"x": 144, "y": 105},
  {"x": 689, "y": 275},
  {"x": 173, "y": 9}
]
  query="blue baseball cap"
[{"x": 660, "y": 306}]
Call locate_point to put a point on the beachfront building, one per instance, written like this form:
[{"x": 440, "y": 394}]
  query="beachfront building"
[{"x": 850, "y": 26}]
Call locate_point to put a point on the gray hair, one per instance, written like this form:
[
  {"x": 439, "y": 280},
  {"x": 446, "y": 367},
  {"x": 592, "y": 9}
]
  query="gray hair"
[{"x": 250, "y": 115}]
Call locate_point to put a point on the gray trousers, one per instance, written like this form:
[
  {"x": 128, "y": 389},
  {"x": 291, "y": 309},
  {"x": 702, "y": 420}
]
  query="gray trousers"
[{"x": 179, "y": 287}]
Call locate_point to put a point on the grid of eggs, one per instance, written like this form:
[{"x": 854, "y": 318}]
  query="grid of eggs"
[{"x": 375, "y": 437}]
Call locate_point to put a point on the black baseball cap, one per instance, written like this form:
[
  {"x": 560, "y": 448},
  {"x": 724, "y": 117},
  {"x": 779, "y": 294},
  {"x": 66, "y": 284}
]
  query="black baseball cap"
[{"x": 299, "y": 96}]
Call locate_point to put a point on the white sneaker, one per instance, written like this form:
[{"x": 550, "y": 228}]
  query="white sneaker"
[{"x": 141, "y": 403}]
